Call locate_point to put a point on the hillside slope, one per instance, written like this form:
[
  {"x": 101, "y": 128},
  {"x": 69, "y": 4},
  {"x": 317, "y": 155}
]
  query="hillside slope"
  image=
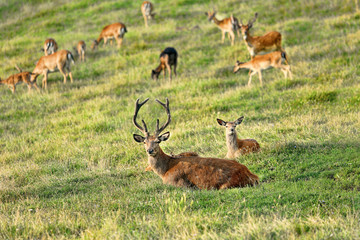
[{"x": 69, "y": 167}]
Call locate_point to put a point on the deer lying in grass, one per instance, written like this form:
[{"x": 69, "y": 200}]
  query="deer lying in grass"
[
  {"x": 189, "y": 171},
  {"x": 260, "y": 62},
  {"x": 237, "y": 147},
  {"x": 80, "y": 49},
  {"x": 113, "y": 31},
  {"x": 256, "y": 44},
  {"x": 18, "y": 78},
  {"x": 50, "y": 46},
  {"x": 146, "y": 10},
  {"x": 168, "y": 58},
  {"x": 227, "y": 25},
  {"x": 59, "y": 61}
]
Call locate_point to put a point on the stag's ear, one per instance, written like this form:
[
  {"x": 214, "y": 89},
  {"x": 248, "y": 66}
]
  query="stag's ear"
[
  {"x": 164, "y": 136},
  {"x": 138, "y": 138},
  {"x": 221, "y": 122},
  {"x": 240, "y": 119}
]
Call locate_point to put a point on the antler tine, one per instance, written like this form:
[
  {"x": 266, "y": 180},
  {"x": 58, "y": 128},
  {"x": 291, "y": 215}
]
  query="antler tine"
[
  {"x": 137, "y": 108},
  {"x": 166, "y": 106},
  {"x": 251, "y": 21}
]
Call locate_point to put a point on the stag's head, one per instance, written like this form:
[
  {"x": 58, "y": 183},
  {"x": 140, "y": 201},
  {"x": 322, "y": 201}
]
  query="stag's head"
[
  {"x": 152, "y": 142},
  {"x": 210, "y": 15},
  {"x": 230, "y": 126},
  {"x": 245, "y": 28}
]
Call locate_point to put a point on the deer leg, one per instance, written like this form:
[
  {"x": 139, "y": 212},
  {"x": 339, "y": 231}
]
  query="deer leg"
[
  {"x": 145, "y": 19},
  {"x": 44, "y": 81},
  {"x": 175, "y": 67},
  {"x": 119, "y": 41},
  {"x": 249, "y": 83},
  {"x": 260, "y": 77},
  {"x": 169, "y": 70},
  {"x": 36, "y": 86},
  {"x": 61, "y": 69},
  {"x": 223, "y": 36},
  {"x": 238, "y": 32},
  {"x": 232, "y": 35}
]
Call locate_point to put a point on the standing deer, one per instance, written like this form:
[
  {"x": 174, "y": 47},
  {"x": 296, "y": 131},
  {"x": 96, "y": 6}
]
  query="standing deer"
[
  {"x": 260, "y": 62},
  {"x": 50, "y": 46},
  {"x": 168, "y": 58},
  {"x": 113, "y": 31},
  {"x": 59, "y": 61},
  {"x": 257, "y": 44},
  {"x": 235, "y": 146},
  {"x": 146, "y": 10},
  {"x": 227, "y": 25},
  {"x": 18, "y": 78},
  {"x": 189, "y": 171},
  {"x": 80, "y": 48}
]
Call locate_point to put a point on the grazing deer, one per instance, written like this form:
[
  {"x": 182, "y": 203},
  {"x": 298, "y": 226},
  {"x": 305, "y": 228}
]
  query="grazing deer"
[
  {"x": 168, "y": 58},
  {"x": 189, "y": 171},
  {"x": 260, "y": 62},
  {"x": 146, "y": 10},
  {"x": 18, "y": 78},
  {"x": 80, "y": 48},
  {"x": 237, "y": 147},
  {"x": 257, "y": 44},
  {"x": 227, "y": 25},
  {"x": 59, "y": 61},
  {"x": 50, "y": 46},
  {"x": 113, "y": 31}
]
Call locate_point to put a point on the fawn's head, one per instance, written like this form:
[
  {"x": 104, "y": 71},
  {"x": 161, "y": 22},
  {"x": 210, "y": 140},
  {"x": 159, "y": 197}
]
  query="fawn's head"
[
  {"x": 230, "y": 126},
  {"x": 155, "y": 75},
  {"x": 245, "y": 28},
  {"x": 237, "y": 66},
  {"x": 94, "y": 45},
  {"x": 151, "y": 142},
  {"x": 210, "y": 15}
]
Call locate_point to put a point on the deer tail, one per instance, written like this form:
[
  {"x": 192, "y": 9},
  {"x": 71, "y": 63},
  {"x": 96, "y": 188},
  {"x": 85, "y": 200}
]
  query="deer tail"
[
  {"x": 283, "y": 56},
  {"x": 70, "y": 57}
]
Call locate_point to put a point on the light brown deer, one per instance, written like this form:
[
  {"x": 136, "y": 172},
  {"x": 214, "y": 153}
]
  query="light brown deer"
[
  {"x": 184, "y": 171},
  {"x": 18, "y": 78},
  {"x": 59, "y": 61},
  {"x": 81, "y": 48},
  {"x": 256, "y": 44},
  {"x": 50, "y": 46},
  {"x": 227, "y": 25},
  {"x": 113, "y": 31},
  {"x": 146, "y": 10},
  {"x": 261, "y": 62},
  {"x": 237, "y": 147},
  {"x": 168, "y": 58}
]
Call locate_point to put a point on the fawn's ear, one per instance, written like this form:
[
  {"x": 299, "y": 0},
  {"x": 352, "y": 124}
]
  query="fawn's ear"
[
  {"x": 240, "y": 119},
  {"x": 138, "y": 138},
  {"x": 164, "y": 136},
  {"x": 221, "y": 122}
]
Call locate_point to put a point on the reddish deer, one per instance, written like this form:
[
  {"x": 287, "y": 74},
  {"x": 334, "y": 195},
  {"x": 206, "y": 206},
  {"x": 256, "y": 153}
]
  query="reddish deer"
[
  {"x": 260, "y": 62},
  {"x": 80, "y": 48},
  {"x": 237, "y": 147},
  {"x": 189, "y": 171},
  {"x": 50, "y": 46},
  {"x": 256, "y": 44},
  {"x": 113, "y": 31},
  {"x": 59, "y": 61},
  {"x": 227, "y": 25},
  {"x": 146, "y": 10},
  {"x": 18, "y": 78},
  {"x": 168, "y": 58}
]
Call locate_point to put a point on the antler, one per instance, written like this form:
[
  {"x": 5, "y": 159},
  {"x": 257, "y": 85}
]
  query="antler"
[
  {"x": 251, "y": 21},
  {"x": 137, "y": 108},
  {"x": 166, "y": 106}
]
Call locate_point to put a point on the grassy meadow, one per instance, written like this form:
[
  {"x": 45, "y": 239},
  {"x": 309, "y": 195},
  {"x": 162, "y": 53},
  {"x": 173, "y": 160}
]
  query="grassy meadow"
[{"x": 70, "y": 169}]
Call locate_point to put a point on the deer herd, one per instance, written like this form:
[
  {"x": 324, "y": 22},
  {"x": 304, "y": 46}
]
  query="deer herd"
[{"x": 186, "y": 169}]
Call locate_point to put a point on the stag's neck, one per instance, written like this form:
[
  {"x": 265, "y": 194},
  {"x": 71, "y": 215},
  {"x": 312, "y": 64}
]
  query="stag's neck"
[
  {"x": 160, "y": 163},
  {"x": 231, "y": 142},
  {"x": 216, "y": 21}
]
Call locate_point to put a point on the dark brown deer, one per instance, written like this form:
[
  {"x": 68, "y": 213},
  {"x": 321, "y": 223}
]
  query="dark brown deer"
[
  {"x": 237, "y": 147},
  {"x": 189, "y": 171},
  {"x": 168, "y": 58}
]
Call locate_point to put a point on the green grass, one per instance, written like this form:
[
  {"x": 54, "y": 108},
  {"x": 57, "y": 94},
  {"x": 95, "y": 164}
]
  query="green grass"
[{"x": 70, "y": 169}]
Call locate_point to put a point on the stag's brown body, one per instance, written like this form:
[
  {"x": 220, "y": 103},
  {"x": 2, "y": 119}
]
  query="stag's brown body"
[
  {"x": 113, "y": 31},
  {"x": 237, "y": 147},
  {"x": 18, "y": 78},
  {"x": 227, "y": 25},
  {"x": 146, "y": 10},
  {"x": 81, "y": 48},
  {"x": 59, "y": 61},
  {"x": 190, "y": 171},
  {"x": 50, "y": 46}
]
